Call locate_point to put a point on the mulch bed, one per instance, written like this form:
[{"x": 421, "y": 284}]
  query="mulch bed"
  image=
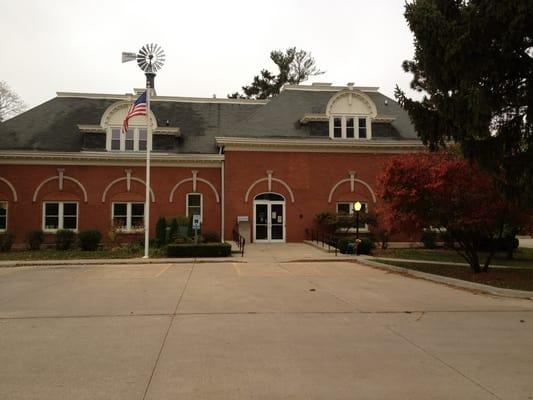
[{"x": 508, "y": 278}]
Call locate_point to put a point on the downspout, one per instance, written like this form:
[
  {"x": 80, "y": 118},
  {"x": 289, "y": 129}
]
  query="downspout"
[{"x": 222, "y": 211}]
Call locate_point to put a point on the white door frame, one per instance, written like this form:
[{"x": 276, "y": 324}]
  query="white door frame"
[{"x": 269, "y": 204}]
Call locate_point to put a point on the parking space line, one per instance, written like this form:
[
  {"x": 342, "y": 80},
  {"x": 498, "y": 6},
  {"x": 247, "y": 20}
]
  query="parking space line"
[{"x": 163, "y": 271}]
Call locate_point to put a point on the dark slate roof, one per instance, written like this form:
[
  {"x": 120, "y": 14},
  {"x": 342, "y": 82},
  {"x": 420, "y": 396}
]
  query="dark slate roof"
[
  {"x": 52, "y": 126},
  {"x": 280, "y": 117}
]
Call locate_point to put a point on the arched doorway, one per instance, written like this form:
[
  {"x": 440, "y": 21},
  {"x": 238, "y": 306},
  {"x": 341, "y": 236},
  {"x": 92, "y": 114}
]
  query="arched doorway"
[{"x": 269, "y": 218}]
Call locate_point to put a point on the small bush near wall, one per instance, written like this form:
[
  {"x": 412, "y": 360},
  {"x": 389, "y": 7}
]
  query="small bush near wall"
[
  {"x": 161, "y": 232},
  {"x": 365, "y": 246},
  {"x": 89, "y": 240},
  {"x": 65, "y": 239},
  {"x": 34, "y": 239},
  {"x": 429, "y": 239},
  {"x": 211, "y": 237},
  {"x": 199, "y": 250},
  {"x": 6, "y": 241}
]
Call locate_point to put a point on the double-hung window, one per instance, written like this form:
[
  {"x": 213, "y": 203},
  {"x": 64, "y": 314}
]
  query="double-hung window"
[
  {"x": 345, "y": 210},
  {"x": 194, "y": 205},
  {"x": 135, "y": 139},
  {"x": 60, "y": 215},
  {"x": 128, "y": 216},
  {"x": 3, "y": 216},
  {"x": 349, "y": 127}
]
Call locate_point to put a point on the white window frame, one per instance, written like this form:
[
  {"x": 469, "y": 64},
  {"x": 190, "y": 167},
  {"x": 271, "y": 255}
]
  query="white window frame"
[
  {"x": 7, "y": 214},
  {"x": 128, "y": 227},
  {"x": 201, "y": 205},
  {"x": 343, "y": 118},
  {"x": 136, "y": 141},
  {"x": 363, "y": 228},
  {"x": 60, "y": 217}
]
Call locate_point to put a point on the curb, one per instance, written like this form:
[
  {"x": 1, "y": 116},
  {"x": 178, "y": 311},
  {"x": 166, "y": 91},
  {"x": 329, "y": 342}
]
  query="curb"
[
  {"x": 116, "y": 261},
  {"x": 519, "y": 294}
]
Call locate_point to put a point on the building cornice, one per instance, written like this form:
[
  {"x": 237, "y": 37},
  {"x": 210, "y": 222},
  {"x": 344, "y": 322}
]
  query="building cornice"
[
  {"x": 131, "y": 97},
  {"x": 327, "y": 88},
  {"x": 319, "y": 145},
  {"x": 109, "y": 159}
]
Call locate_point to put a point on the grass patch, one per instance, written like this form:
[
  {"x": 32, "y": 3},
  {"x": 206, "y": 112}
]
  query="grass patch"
[
  {"x": 507, "y": 278},
  {"x": 523, "y": 257},
  {"x": 52, "y": 254}
]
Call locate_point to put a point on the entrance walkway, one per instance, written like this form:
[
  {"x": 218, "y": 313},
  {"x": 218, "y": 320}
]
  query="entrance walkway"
[{"x": 283, "y": 252}]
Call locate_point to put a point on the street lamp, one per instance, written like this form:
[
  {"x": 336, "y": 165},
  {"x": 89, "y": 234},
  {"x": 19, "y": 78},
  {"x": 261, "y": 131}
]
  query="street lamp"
[{"x": 357, "y": 208}]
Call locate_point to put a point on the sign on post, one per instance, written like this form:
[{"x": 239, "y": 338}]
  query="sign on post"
[{"x": 196, "y": 227}]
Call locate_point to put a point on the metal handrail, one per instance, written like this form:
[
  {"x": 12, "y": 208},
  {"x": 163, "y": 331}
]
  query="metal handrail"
[
  {"x": 323, "y": 239},
  {"x": 240, "y": 240}
]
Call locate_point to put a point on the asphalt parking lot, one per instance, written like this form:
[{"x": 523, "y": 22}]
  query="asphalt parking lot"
[{"x": 261, "y": 327}]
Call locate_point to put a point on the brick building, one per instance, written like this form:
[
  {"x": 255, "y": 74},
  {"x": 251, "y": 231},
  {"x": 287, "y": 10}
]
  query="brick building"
[{"x": 272, "y": 165}]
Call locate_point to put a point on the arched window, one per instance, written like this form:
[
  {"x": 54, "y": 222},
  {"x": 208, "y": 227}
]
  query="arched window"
[{"x": 269, "y": 196}]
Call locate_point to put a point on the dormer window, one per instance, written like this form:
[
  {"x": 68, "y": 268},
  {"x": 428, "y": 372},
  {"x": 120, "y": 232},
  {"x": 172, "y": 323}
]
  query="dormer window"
[
  {"x": 350, "y": 114},
  {"x": 349, "y": 127},
  {"x": 133, "y": 140}
]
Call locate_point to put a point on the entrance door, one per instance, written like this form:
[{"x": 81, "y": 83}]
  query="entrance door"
[{"x": 269, "y": 218}]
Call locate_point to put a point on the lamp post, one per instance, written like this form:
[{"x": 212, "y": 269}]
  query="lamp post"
[{"x": 357, "y": 208}]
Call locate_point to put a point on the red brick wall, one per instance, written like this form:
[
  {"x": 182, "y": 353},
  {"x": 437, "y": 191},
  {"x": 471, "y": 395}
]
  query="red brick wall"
[
  {"x": 26, "y": 215},
  {"x": 311, "y": 176}
]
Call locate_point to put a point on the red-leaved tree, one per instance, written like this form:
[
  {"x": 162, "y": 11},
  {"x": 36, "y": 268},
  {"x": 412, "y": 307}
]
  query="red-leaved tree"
[{"x": 443, "y": 191}]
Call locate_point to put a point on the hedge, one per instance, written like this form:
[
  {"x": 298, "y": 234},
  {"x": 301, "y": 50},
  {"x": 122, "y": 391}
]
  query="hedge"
[{"x": 199, "y": 250}]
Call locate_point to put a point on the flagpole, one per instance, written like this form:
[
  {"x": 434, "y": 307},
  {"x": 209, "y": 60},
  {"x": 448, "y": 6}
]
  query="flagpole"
[{"x": 147, "y": 198}]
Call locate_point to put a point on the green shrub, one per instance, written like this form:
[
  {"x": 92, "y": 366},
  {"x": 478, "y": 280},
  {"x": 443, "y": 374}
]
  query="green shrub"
[
  {"x": 343, "y": 243},
  {"x": 211, "y": 237},
  {"x": 34, "y": 239},
  {"x": 199, "y": 250},
  {"x": 365, "y": 246},
  {"x": 173, "y": 228},
  {"x": 161, "y": 231},
  {"x": 429, "y": 239},
  {"x": 65, "y": 239},
  {"x": 89, "y": 240},
  {"x": 6, "y": 241},
  {"x": 134, "y": 247}
]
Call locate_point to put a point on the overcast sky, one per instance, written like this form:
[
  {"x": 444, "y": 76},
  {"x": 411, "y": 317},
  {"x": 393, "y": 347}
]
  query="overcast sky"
[{"x": 212, "y": 47}]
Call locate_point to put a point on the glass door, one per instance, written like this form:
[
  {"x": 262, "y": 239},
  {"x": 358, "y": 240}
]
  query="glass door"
[
  {"x": 277, "y": 222},
  {"x": 261, "y": 221},
  {"x": 269, "y": 221}
]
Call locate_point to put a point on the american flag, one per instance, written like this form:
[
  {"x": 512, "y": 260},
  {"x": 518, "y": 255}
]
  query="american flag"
[{"x": 137, "y": 108}]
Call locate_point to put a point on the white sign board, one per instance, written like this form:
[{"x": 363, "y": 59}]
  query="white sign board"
[{"x": 195, "y": 222}]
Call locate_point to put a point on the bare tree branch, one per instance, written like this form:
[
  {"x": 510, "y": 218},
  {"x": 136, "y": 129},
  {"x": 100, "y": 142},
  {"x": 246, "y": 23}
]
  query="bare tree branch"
[{"x": 10, "y": 103}]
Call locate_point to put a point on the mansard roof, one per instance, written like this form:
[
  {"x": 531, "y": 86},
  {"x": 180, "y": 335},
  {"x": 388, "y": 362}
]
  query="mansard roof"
[{"x": 297, "y": 112}]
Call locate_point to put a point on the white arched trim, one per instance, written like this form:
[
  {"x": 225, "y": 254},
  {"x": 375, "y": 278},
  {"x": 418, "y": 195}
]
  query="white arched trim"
[
  {"x": 124, "y": 178},
  {"x": 13, "y": 191},
  {"x": 363, "y": 97},
  {"x": 60, "y": 178},
  {"x": 123, "y": 107},
  {"x": 177, "y": 185},
  {"x": 349, "y": 180},
  {"x": 269, "y": 179}
]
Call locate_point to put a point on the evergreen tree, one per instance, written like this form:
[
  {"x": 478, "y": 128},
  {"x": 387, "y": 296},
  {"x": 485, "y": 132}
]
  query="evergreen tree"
[
  {"x": 474, "y": 63},
  {"x": 295, "y": 66}
]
